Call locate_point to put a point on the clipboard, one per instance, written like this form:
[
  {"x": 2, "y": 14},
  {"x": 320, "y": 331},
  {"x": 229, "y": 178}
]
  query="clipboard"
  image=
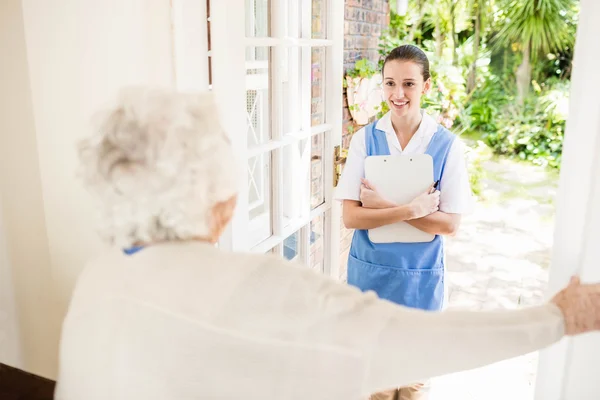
[{"x": 400, "y": 178}]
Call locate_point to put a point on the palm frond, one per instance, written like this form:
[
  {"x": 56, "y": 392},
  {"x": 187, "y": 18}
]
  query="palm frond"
[{"x": 541, "y": 23}]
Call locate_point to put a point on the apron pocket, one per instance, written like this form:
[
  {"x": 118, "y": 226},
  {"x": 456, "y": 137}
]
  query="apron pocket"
[{"x": 416, "y": 288}]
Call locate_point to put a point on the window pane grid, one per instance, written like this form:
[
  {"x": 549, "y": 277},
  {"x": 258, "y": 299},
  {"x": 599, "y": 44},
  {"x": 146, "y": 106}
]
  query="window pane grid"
[
  {"x": 287, "y": 124},
  {"x": 287, "y": 42},
  {"x": 317, "y": 171},
  {"x": 258, "y": 18},
  {"x": 287, "y": 140},
  {"x": 317, "y": 244},
  {"x": 319, "y": 19},
  {"x": 274, "y": 241},
  {"x": 259, "y": 198},
  {"x": 318, "y": 85},
  {"x": 258, "y": 95}
]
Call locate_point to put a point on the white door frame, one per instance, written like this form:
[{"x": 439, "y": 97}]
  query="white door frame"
[
  {"x": 568, "y": 370},
  {"x": 228, "y": 71},
  {"x": 191, "y": 55},
  {"x": 228, "y": 49},
  {"x": 335, "y": 63},
  {"x": 190, "y": 44}
]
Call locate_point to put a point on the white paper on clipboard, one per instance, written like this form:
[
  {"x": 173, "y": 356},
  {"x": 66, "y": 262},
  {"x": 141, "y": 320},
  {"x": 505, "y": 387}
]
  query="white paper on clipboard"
[{"x": 400, "y": 178}]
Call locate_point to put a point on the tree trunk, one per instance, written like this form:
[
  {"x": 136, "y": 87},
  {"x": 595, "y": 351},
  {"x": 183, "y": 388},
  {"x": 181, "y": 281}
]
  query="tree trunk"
[
  {"x": 504, "y": 62},
  {"x": 453, "y": 32},
  {"x": 417, "y": 24},
  {"x": 524, "y": 75},
  {"x": 472, "y": 80}
]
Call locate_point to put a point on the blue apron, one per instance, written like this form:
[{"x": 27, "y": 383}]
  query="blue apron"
[{"x": 410, "y": 274}]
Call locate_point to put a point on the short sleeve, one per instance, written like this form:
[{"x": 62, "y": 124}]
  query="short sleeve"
[
  {"x": 349, "y": 185},
  {"x": 455, "y": 188}
]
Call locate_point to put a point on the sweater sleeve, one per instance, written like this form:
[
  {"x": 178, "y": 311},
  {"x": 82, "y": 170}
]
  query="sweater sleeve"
[{"x": 415, "y": 345}]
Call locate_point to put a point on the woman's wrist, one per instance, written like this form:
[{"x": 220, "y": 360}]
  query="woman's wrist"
[
  {"x": 389, "y": 204},
  {"x": 406, "y": 212}
]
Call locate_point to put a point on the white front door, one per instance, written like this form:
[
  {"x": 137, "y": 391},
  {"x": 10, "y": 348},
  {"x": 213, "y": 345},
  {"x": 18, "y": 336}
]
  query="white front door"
[
  {"x": 568, "y": 370},
  {"x": 276, "y": 68}
]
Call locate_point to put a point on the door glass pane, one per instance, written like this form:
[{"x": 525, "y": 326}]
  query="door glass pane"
[
  {"x": 317, "y": 186},
  {"x": 296, "y": 175},
  {"x": 291, "y": 87},
  {"x": 294, "y": 15},
  {"x": 258, "y": 61},
  {"x": 319, "y": 19},
  {"x": 290, "y": 246},
  {"x": 317, "y": 242},
  {"x": 259, "y": 198},
  {"x": 257, "y": 18},
  {"x": 318, "y": 86}
]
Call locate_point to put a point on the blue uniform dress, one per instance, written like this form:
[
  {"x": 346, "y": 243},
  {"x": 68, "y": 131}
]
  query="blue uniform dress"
[{"x": 410, "y": 274}]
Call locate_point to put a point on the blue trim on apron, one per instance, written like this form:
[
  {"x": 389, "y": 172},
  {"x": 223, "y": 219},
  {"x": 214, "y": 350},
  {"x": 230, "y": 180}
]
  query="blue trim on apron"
[
  {"x": 132, "y": 250},
  {"x": 409, "y": 274}
]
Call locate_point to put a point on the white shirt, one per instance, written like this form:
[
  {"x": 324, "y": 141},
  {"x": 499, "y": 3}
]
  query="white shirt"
[
  {"x": 189, "y": 321},
  {"x": 455, "y": 196}
]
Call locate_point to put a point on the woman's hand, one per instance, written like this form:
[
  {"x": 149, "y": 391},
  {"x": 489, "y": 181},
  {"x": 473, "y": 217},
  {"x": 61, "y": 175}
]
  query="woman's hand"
[
  {"x": 580, "y": 305},
  {"x": 425, "y": 204},
  {"x": 370, "y": 198}
]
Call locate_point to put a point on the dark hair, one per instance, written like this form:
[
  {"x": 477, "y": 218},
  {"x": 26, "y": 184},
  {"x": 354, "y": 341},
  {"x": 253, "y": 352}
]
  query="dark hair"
[{"x": 409, "y": 52}]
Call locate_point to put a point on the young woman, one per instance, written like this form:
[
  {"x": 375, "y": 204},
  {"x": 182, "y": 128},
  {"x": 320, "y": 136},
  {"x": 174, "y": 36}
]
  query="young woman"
[{"x": 410, "y": 274}]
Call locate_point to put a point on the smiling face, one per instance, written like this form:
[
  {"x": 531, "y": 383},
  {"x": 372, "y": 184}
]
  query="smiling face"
[{"x": 403, "y": 86}]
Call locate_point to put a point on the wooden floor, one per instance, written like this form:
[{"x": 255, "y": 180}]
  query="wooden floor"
[{"x": 19, "y": 385}]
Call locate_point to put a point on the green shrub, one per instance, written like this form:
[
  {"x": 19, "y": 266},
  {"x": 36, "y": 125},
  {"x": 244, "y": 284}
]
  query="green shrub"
[
  {"x": 481, "y": 110},
  {"x": 475, "y": 156},
  {"x": 363, "y": 68},
  {"x": 535, "y": 132},
  {"x": 447, "y": 95}
]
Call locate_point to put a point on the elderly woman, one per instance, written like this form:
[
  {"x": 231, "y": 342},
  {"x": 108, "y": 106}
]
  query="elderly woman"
[{"x": 167, "y": 315}]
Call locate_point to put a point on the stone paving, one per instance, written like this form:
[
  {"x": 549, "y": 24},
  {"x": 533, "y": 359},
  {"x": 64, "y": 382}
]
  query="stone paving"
[{"x": 500, "y": 259}]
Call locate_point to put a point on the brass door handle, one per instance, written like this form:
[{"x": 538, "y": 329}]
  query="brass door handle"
[{"x": 339, "y": 159}]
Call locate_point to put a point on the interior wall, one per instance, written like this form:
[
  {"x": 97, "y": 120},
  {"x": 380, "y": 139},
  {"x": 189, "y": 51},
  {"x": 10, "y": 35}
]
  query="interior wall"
[
  {"x": 29, "y": 327},
  {"x": 67, "y": 59},
  {"x": 10, "y": 344},
  {"x": 80, "y": 53}
]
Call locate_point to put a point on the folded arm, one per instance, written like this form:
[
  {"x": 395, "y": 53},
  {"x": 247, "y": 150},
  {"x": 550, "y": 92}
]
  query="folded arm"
[
  {"x": 358, "y": 217},
  {"x": 438, "y": 223}
]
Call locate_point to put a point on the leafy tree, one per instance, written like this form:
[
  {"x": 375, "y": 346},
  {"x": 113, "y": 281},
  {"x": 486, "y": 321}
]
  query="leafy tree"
[{"x": 534, "y": 27}]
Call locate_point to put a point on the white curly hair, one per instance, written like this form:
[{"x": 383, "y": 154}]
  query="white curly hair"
[{"x": 158, "y": 162}]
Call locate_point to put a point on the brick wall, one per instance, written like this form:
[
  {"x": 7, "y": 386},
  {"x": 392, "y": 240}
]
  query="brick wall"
[{"x": 364, "y": 22}]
